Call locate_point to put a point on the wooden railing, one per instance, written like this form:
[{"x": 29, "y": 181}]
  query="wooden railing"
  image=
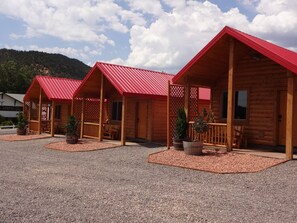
[{"x": 216, "y": 134}]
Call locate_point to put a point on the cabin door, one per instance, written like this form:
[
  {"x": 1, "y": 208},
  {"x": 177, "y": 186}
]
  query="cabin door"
[
  {"x": 142, "y": 117},
  {"x": 282, "y": 113}
]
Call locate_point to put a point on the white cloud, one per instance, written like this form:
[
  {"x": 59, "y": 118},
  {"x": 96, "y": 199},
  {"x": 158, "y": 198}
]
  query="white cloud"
[
  {"x": 272, "y": 7},
  {"x": 119, "y": 61},
  {"x": 176, "y": 36},
  {"x": 153, "y": 7},
  {"x": 175, "y": 4},
  {"x": 68, "y": 20},
  {"x": 164, "y": 34},
  {"x": 276, "y": 21},
  {"x": 170, "y": 41}
]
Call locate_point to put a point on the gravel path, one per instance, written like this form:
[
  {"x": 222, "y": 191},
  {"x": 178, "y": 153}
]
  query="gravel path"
[{"x": 119, "y": 185}]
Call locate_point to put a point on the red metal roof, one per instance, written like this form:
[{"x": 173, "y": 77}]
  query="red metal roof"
[
  {"x": 132, "y": 81},
  {"x": 280, "y": 55},
  {"x": 56, "y": 88},
  {"x": 136, "y": 81},
  {"x": 129, "y": 80}
]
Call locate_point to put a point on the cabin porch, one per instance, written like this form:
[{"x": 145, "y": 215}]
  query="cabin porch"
[
  {"x": 106, "y": 113},
  {"x": 44, "y": 115},
  {"x": 247, "y": 89}
]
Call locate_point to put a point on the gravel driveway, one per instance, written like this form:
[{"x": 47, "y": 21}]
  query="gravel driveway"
[{"x": 118, "y": 185}]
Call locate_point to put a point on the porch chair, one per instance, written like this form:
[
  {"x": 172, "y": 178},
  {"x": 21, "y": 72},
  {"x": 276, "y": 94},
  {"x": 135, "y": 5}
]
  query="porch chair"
[
  {"x": 239, "y": 137},
  {"x": 111, "y": 131}
]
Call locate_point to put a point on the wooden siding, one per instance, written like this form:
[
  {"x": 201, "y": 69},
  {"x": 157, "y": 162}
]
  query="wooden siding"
[
  {"x": 156, "y": 118},
  {"x": 159, "y": 114},
  {"x": 263, "y": 79},
  {"x": 131, "y": 118},
  {"x": 203, "y": 104},
  {"x": 91, "y": 130},
  {"x": 65, "y": 113},
  {"x": 33, "y": 126}
]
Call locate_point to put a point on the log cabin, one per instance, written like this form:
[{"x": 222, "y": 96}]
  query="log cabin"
[
  {"x": 121, "y": 102},
  {"x": 47, "y": 103},
  {"x": 253, "y": 84}
]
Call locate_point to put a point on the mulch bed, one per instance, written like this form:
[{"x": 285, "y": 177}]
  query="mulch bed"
[
  {"x": 82, "y": 146},
  {"x": 215, "y": 161},
  {"x": 15, "y": 137}
]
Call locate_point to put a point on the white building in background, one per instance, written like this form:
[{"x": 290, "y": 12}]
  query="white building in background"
[{"x": 10, "y": 104}]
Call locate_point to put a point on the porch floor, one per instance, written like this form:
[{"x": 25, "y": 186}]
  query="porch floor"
[
  {"x": 265, "y": 152},
  {"x": 259, "y": 150}
]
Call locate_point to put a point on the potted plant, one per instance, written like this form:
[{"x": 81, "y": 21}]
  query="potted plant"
[
  {"x": 71, "y": 130},
  {"x": 199, "y": 126},
  {"x": 21, "y": 124},
  {"x": 181, "y": 127}
]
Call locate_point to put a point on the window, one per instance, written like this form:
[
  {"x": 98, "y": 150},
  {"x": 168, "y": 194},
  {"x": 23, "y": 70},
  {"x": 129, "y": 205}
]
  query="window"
[
  {"x": 58, "y": 112},
  {"x": 10, "y": 108},
  {"x": 240, "y": 105},
  {"x": 116, "y": 113}
]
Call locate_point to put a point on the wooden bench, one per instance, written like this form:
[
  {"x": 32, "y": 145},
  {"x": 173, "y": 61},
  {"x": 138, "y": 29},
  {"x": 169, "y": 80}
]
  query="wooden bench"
[{"x": 111, "y": 131}]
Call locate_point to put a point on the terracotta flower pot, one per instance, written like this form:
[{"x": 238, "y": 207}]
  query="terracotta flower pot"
[
  {"x": 193, "y": 148},
  {"x": 71, "y": 139}
]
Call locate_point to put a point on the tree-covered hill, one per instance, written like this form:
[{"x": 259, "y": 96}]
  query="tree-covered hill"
[{"x": 18, "y": 68}]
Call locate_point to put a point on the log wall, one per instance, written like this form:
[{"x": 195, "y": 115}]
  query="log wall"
[
  {"x": 159, "y": 120},
  {"x": 131, "y": 118},
  {"x": 263, "y": 79},
  {"x": 156, "y": 118},
  {"x": 65, "y": 113}
]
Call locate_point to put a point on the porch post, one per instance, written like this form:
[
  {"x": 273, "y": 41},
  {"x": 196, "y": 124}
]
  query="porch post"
[
  {"x": 230, "y": 111},
  {"x": 39, "y": 111},
  {"x": 101, "y": 108},
  {"x": 29, "y": 115},
  {"x": 72, "y": 106},
  {"x": 168, "y": 115},
  {"x": 187, "y": 97},
  {"x": 123, "y": 128},
  {"x": 198, "y": 99},
  {"x": 82, "y": 118},
  {"x": 290, "y": 112},
  {"x": 53, "y": 118}
]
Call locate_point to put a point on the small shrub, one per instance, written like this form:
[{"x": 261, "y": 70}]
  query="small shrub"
[
  {"x": 2, "y": 119},
  {"x": 200, "y": 124},
  {"x": 7, "y": 123},
  {"x": 22, "y": 122},
  {"x": 181, "y": 125},
  {"x": 72, "y": 125}
]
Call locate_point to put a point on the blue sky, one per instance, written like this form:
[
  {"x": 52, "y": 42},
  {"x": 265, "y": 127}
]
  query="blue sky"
[{"x": 154, "y": 34}]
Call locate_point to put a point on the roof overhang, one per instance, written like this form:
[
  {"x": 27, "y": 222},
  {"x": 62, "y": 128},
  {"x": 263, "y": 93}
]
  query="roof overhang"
[
  {"x": 35, "y": 84},
  {"x": 212, "y": 60},
  {"x": 93, "y": 79}
]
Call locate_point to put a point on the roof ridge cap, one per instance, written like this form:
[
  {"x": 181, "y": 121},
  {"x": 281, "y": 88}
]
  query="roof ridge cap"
[
  {"x": 53, "y": 77},
  {"x": 136, "y": 68}
]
